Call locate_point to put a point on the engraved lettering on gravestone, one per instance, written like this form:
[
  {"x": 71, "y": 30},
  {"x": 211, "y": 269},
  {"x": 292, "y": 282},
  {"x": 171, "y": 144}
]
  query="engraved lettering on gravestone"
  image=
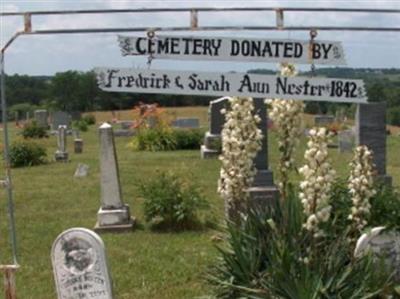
[{"x": 80, "y": 266}]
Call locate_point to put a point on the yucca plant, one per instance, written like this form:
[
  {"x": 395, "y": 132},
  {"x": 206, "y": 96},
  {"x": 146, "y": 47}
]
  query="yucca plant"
[{"x": 269, "y": 256}]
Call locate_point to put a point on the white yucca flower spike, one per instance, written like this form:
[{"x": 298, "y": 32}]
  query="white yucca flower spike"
[
  {"x": 360, "y": 186},
  {"x": 241, "y": 140},
  {"x": 287, "y": 117},
  {"x": 318, "y": 177}
]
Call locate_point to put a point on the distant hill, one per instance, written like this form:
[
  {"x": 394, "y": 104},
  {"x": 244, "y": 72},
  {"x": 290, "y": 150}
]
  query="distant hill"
[{"x": 344, "y": 72}]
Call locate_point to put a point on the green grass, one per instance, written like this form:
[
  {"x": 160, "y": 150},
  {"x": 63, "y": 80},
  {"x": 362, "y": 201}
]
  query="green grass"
[{"x": 144, "y": 264}]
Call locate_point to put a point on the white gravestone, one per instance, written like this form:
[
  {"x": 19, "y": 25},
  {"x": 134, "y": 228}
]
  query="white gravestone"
[
  {"x": 81, "y": 170},
  {"x": 346, "y": 141},
  {"x": 61, "y": 154},
  {"x": 80, "y": 266},
  {"x": 113, "y": 214},
  {"x": 384, "y": 245}
]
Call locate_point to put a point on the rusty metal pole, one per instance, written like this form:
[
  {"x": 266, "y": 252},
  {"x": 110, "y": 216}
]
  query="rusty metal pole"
[{"x": 9, "y": 281}]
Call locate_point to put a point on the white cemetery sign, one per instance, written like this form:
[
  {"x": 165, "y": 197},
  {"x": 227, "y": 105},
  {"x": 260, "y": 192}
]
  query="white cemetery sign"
[
  {"x": 80, "y": 266},
  {"x": 232, "y": 84},
  {"x": 234, "y": 49}
]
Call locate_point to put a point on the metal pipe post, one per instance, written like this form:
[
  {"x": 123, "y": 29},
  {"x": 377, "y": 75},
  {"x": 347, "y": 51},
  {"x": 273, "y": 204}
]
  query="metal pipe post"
[{"x": 7, "y": 166}]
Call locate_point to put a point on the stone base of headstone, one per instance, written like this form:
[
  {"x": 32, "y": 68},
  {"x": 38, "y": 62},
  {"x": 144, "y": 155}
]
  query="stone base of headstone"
[
  {"x": 261, "y": 200},
  {"x": 78, "y": 146},
  {"x": 263, "y": 197},
  {"x": 263, "y": 193},
  {"x": 263, "y": 178},
  {"x": 114, "y": 220},
  {"x": 211, "y": 147},
  {"x": 212, "y": 141},
  {"x": 385, "y": 179},
  {"x": 206, "y": 153},
  {"x": 61, "y": 156}
]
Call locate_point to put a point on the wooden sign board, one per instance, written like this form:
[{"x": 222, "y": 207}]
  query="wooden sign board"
[
  {"x": 234, "y": 49},
  {"x": 230, "y": 84}
]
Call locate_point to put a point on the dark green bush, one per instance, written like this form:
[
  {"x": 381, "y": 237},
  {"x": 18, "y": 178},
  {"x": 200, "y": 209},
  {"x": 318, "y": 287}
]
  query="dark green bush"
[
  {"x": 187, "y": 139},
  {"x": 166, "y": 139},
  {"x": 27, "y": 153},
  {"x": 171, "y": 203},
  {"x": 90, "y": 119},
  {"x": 32, "y": 130},
  {"x": 80, "y": 125},
  {"x": 394, "y": 116},
  {"x": 157, "y": 139}
]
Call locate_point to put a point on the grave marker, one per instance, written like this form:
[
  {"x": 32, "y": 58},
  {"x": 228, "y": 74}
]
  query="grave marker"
[
  {"x": 384, "y": 245},
  {"x": 371, "y": 131},
  {"x": 81, "y": 170},
  {"x": 346, "y": 140},
  {"x": 61, "y": 154},
  {"x": 78, "y": 146},
  {"x": 60, "y": 118},
  {"x": 323, "y": 120},
  {"x": 189, "y": 123},
  {"x": 80, "y": 266},
  {"x": 212, "y": 139},
  {"x": 113, "y": 214},
  {"x": 41, "y": 118}
]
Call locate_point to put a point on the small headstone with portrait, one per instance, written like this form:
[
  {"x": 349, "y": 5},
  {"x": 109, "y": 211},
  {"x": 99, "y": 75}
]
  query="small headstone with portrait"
[
  {"x": 384, "y": 245},
  {"x": 80, "y": 266}
]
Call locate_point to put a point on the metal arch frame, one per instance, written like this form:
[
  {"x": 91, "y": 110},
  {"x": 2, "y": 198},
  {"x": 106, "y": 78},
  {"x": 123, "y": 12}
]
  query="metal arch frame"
[{"x": 194, "y": 26}]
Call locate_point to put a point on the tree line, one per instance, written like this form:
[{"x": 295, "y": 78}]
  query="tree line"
[{"x": 78, "y": 91}]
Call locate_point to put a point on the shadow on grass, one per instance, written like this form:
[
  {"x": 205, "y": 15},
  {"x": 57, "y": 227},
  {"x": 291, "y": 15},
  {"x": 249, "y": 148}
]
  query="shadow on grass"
[{"x": 189, "y": 226}]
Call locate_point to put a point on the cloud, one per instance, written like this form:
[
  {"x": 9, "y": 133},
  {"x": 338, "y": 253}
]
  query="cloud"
[{"x": 52, "y": 53}]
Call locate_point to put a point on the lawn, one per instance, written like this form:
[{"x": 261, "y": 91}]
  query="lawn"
[{"x": 144, "y": 264}]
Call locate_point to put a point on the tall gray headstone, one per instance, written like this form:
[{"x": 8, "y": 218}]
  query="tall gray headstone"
[
  {"x": 61, "y": 154},
  {"x": 263, "y": 192},
  {"x": 212, "y": 139},
  {"x": 60, "y": 118},
  {"x": 371, "y": 132},
  {"x": 80, "y": 266},
  {"x": 41, "y": 117},
  {"x": 113, "y": 214}
]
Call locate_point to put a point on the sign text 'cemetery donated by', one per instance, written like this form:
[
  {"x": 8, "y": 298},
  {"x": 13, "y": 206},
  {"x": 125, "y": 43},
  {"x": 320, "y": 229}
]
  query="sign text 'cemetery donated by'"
[
  {"x": 232, "y": 84},
  {"x": 234, "y": 49}
]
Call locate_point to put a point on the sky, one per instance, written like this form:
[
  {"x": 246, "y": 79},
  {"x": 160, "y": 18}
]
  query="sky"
[{"x": 49, "y": 54}]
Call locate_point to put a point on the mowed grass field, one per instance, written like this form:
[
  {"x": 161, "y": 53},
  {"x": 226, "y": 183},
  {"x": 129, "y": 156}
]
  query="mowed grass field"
[{"x": 143, "y": 264}]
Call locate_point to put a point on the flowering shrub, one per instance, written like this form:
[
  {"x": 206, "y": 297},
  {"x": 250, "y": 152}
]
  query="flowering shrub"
[
  {"x": 361, "y": 186},
  {"x": 171, "y": 202},
  {"x": 27, "y": 153},
  {"x": 241, "y": 140},
  {"x": 287, "y": 116},
  {"x": 318, "y": 178}
]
